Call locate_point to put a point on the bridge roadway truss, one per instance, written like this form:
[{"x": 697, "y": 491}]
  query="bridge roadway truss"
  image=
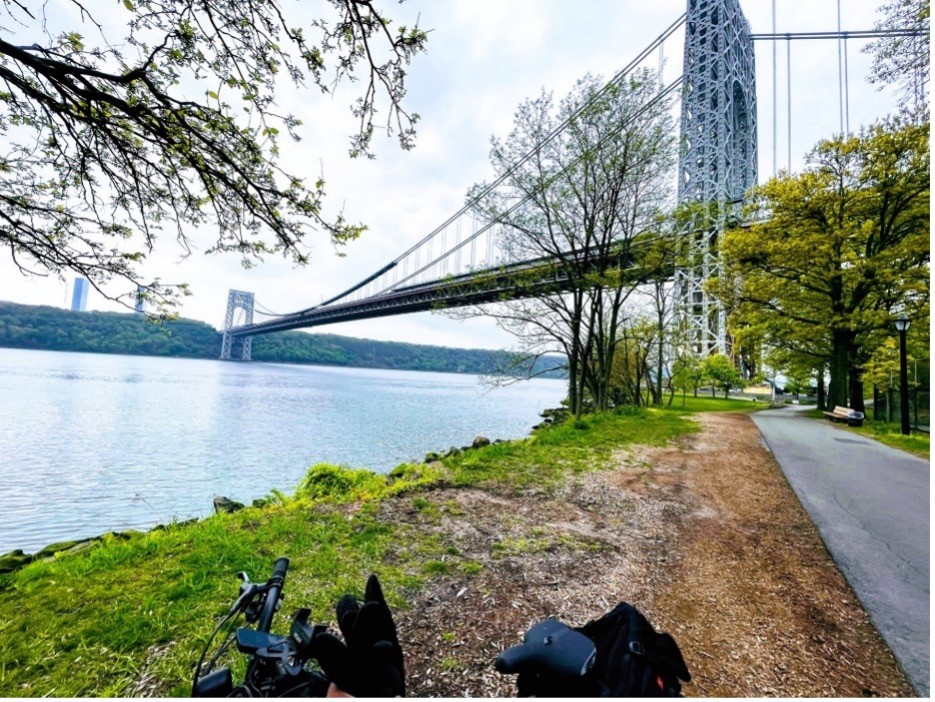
[{"x": 507, "y": 282}]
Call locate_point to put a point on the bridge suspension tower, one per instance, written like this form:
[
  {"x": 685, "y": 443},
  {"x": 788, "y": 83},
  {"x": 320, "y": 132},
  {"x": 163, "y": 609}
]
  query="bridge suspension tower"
[
  {"x": 237, "y": 299},
  {"x": 718, "y": 158}
]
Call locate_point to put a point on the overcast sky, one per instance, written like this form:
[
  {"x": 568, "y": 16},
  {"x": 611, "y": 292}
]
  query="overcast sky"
[{"x": 484, "y": 57}]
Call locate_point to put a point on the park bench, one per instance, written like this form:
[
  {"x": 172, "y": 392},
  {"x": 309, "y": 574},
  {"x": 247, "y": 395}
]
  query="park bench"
[{"x": 845, "y": 414}]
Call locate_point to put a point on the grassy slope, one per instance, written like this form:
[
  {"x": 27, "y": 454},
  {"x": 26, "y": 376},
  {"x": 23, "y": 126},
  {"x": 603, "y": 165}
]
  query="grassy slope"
[{"x": 97, "y": 622}]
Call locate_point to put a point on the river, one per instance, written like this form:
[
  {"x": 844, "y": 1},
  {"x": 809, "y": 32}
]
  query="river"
[{"x": 92, "y": 443}]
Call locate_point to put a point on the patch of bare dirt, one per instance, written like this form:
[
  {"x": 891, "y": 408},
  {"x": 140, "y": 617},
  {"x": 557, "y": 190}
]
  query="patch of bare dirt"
[{"x": 705, "y": 537}]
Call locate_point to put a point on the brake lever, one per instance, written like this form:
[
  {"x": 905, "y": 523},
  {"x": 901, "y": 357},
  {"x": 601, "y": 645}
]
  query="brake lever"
[{"x": 247, "y": 591}]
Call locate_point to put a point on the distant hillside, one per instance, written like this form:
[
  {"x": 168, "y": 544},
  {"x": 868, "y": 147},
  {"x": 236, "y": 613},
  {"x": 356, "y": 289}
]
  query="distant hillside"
[{"x": 55, "y": 329}]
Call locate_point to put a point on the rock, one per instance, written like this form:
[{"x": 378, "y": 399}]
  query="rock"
[
  {"x": 432, "y": 457},
  {"x": 480, "y": 441},
  {"x": 226, "y": 504},
  {"x": 14, "y": 560},
  {"x": 453, "y": 451},
  {"x": 80, "y": 546},
  {"x": 52, "y": 549}
]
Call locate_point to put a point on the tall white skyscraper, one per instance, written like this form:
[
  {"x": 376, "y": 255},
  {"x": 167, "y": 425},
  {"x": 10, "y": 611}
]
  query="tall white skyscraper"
[
  {"x": 140, "y": 305},
  {"x": 79, "y": 295}
]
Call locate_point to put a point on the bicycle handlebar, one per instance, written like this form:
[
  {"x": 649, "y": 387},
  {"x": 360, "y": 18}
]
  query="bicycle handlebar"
[{"x": 273, "y": 592}]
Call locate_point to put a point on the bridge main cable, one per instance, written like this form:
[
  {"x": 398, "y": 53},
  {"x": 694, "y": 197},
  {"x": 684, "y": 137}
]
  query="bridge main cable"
[
  {"x": 671, "y": 29},
  {"x": 350, "y": 310}
]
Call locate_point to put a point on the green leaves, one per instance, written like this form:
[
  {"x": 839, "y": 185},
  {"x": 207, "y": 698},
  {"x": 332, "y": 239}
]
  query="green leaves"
[
  {"x": 123, "y": 143},
  {"x": 846, "y": 245}
]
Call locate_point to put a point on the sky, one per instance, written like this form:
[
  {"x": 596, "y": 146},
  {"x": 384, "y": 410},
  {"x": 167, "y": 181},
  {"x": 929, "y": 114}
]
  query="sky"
[{"x": 484, "y": 57}]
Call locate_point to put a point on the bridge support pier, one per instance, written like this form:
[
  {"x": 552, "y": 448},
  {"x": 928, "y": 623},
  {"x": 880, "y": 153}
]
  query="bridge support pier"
[{"x": 242, "y": 300}]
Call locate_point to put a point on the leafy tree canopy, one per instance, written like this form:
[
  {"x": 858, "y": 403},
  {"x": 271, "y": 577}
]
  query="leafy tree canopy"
[
  {"x": 159, "y": 115},
  {"x": 720, "y": 371},
  {"x": 845, "y": 247}
]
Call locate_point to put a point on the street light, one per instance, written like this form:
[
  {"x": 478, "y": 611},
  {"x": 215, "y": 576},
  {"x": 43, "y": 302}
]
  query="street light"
[{"x": 902, "y": 326}]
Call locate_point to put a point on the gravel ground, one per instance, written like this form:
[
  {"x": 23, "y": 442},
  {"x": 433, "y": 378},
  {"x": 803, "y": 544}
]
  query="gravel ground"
[{"x": 705, "y": 537}]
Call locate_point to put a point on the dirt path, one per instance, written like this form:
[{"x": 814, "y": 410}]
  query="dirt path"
[{"x": 706, "y": 538}]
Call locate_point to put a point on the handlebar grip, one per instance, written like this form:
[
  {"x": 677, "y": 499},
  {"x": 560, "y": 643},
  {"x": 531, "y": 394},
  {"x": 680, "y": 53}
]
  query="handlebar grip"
[
  {"x": 273, "y": 589},
  {"x": 511, "y": 660},
  {"x": 280, "y": 568}
]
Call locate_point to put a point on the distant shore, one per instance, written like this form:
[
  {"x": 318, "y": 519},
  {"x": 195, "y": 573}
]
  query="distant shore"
[{"x": 45, "y": 328}]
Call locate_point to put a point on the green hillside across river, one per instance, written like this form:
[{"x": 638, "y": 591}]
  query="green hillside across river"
[{"x": 55, "y": 329}]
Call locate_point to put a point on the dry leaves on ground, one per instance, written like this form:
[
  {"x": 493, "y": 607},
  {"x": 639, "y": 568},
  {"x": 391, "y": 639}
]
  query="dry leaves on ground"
[{"x": 705, "y": 537}]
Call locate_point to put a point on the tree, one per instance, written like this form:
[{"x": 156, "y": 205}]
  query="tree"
[
  {"x": 720, "y": 371},
  {"x": 882, "y": 372},
  {"x": 581, "y": 200},
  {"x": 686, "y": 375},
  {"x": 108, "y": 141},
  {"x": 631, "y": 368},
  {"x": 845, "y": 246},
  {"x": 903, "y": 60}
]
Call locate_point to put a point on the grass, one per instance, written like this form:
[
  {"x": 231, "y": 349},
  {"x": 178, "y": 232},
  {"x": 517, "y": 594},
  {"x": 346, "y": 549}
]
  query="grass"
[
  {"x": 917, "y": 443},
  {"x": 95, "y": 623},
  {"x": 715, "y": 404}
]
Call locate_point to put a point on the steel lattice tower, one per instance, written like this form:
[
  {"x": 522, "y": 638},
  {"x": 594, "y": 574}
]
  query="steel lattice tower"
[
  {"x": 718, "y": 157},
  {"x": 243, "y": 300}
]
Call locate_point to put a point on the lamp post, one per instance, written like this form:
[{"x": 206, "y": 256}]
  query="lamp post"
[{"x": 902, "y": 325}]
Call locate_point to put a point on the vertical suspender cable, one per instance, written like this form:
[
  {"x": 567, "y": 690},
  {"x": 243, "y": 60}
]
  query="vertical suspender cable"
[
  {"x": 774, "y": 91},
  {"x": 847, "y": 94},
  {"x": 789, "y": 104},
  {"x": 840, "y": 76}
]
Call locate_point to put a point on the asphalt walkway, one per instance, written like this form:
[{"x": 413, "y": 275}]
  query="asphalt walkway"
[{"x": 871, "y": 505}]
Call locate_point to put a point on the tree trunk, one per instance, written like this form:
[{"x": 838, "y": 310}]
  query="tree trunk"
[
  {"x": 876, "y": 403},
  {"x": 856, "y": 388},
  {"x": 820, "y": 390},
  {"x": 837, "y": 388},
  {"x": 573, "y": 401},
  {"x": 637, "y": 379}
]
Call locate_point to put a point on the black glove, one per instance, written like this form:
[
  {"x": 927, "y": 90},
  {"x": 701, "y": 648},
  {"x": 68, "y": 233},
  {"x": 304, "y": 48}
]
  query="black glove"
[
  {"x": 632, "y": 661},
  {"x": 369, "y": 662}
]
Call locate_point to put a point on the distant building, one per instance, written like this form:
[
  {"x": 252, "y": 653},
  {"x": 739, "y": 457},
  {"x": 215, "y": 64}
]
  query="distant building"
[
  {"x": 79, "y": 295},
  {"x": 140, "y": 299}
]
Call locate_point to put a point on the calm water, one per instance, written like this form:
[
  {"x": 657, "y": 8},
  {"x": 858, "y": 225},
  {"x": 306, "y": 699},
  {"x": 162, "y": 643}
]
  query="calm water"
[{"x": 91, "y": 443}]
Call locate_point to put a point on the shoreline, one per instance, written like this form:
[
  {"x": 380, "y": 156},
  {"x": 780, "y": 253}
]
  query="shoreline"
[
  {"x": 18, "y": 558},
  {"x": 95, "y": 443}
]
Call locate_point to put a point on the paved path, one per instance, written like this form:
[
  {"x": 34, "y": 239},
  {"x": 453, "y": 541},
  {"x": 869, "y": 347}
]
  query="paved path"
[{"x": 871, "y": 506}]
